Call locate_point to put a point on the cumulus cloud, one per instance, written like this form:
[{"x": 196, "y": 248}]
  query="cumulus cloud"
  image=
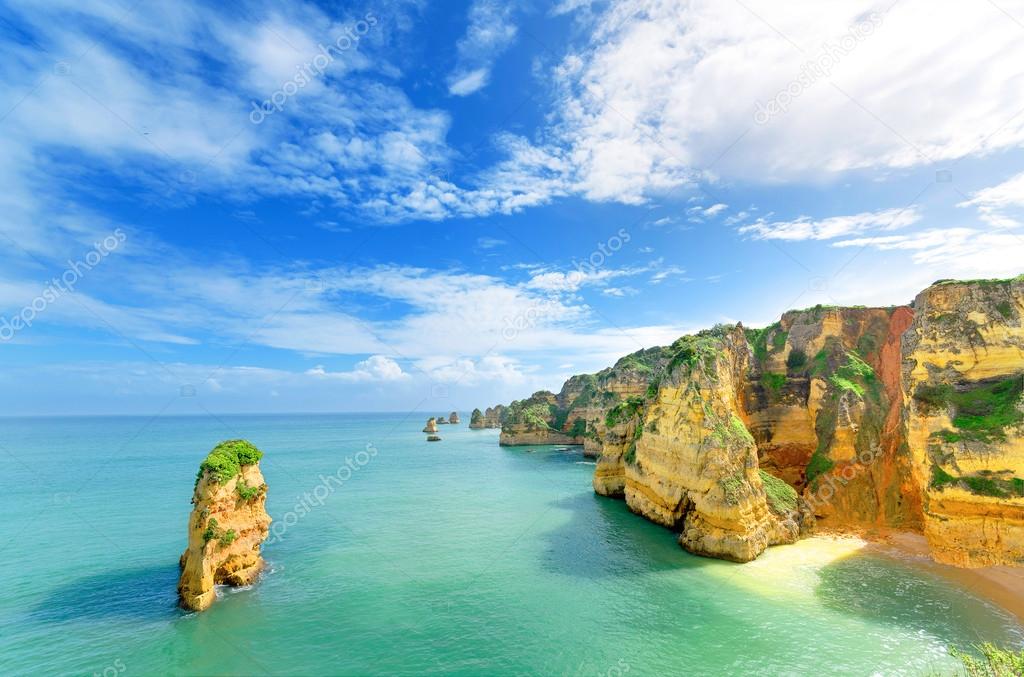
[
  {"x": 664, "y": 90},
  {"x": 374, "y": 368}
]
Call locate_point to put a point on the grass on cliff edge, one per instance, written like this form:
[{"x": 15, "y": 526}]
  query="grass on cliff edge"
[
  {"x": 227, "y": 458},
  {"x": 781, "y": 496}
]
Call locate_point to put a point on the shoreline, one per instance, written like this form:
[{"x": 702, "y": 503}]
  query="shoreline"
[{"x": 1002, "y": 586}]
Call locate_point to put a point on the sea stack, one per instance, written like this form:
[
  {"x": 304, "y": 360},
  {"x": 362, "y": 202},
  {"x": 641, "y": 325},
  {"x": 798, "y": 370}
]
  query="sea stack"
[
  {"x": 454, "y": 418},
  {"x": 228, "y": 524},
  {"x": 431, "y": 426},
  {"x": 441, "y": 420}
]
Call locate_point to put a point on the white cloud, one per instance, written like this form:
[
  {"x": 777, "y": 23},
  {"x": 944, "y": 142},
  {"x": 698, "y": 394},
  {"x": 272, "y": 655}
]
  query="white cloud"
[
  {"x": 490, "y": 32},
  {"x": 957, "y": 252},
  {"x": 465, "y": 84},
  {"x": 806, "y": 228},
  {"x": 665, "y": 88},
  {"x": 715, "y": 209},
  {"x": 992, "y": 203},
  {"x": 374, "y": 368}
]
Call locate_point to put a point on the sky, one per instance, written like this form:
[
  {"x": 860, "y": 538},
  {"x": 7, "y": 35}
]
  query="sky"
[{"x": 402, "y": 205}]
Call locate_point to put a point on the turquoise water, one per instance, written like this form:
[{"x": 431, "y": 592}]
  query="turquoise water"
[{"x": 458, "y": 557}]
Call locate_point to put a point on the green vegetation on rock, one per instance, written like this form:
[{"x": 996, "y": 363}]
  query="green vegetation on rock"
[
  {"x": 994, "y": 282},
  {"x": 211, "y": 532},
  {"x": 981, "y": 412},
  {"x": 1005, "y": 309},
  {"x": 732, "y": 487},
  {"x": 782, "y": 498},
  {"x": 796, "y": 360},
  {"x": 994, "y": 662},
  {"x": 731, "y": 431},
  {"x": 773, "y": 382},
  {"x": 818, "y": 465},
  {"x": 758, "y": 340},
  {"x": 228, "y": 537},
  {"x": 227, "y": 458},
  {"x": 247, "y": 493},
  {"x": 855, "y": 376},
  {"x": 623, "y": 411},
  {"x": 984, "y": 484}
]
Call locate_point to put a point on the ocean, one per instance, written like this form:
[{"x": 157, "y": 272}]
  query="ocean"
[{"x": 454, "y": 557}]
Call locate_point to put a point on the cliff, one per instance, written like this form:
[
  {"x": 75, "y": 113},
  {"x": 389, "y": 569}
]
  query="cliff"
[
  {"x": 431, "y": 426},
  {"x": 963, "y": 375},
  {"x": 574, "y": 415},
  {"x": 454, "y": 418},
  {"x": 228, "y": 524},
  {"x": 834, "y": 418}
]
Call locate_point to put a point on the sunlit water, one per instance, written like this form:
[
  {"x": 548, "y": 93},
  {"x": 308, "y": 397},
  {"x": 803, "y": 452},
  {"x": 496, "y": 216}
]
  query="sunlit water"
[{"x": 458, "y": 557}]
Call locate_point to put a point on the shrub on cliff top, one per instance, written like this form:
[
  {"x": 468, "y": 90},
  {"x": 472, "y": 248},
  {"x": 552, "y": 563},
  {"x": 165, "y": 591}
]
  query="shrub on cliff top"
[{"x": 227, "y": 458}]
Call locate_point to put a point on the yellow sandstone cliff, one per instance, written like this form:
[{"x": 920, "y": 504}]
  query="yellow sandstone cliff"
[
  {"x": 227, "y": 526},
  {"x": 851, "y": 419},
  {"x": 694, "y": 467},
  {"x": 963, "y": 372}
]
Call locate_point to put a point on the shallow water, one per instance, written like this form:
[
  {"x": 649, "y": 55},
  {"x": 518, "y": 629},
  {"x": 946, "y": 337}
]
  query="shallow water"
[{"x": 458, "y": 557}]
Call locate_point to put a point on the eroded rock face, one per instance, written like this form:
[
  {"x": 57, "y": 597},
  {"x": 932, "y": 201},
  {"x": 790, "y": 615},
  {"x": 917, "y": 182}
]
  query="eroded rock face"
[
  {"x": 227, "y": 525},
  {"x": 909, "y": 417},
  {"x": 431, "y": 426},
  {"x": 963, "y": 372},
  {"x": 823, "y": 402},
  {"x": 454, "y": 418},
  {"x": 695, "y": 464}
]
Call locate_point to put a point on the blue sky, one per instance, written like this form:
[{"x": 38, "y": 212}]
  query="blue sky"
[{"x": 413, "y": 205}]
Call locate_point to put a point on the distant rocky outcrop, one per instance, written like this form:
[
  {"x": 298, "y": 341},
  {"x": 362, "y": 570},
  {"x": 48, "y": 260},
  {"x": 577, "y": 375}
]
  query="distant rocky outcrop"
[
  {"x": 431, "y": 426},
  {"x": 441, "y": 420},
  {"x": 492, "y": 417},
  {"x": 228, "y": 524},
  {"x": 433, "y": 438},
  {"x": 837, "y": 418},
  {"x": 454, "y": 419}
]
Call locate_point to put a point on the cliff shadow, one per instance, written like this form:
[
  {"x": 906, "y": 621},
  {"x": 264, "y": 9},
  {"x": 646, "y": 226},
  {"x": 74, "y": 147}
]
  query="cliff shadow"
[
  {"x": 143, "y": 593},
  {"x": 603, "y": 538}
]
